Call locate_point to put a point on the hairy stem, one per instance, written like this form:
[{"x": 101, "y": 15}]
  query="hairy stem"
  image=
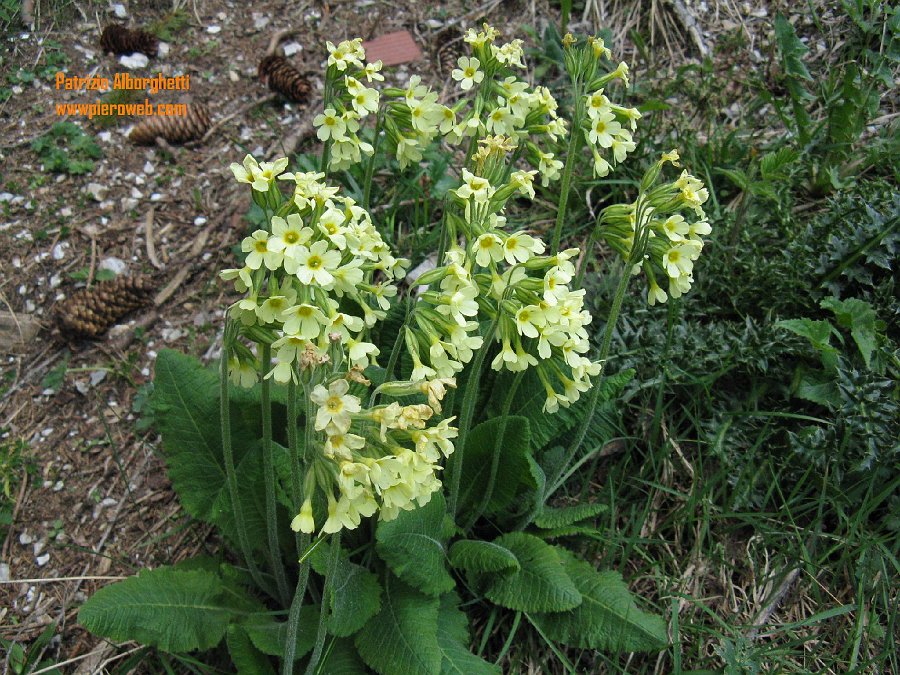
[
  {"x": 231, "y": 476},
  {"x": 595, "y": 392},
  {"x": 370, "y": 167},
  {"x": 322, "y": 632},
  {"x": 290, "y": 647},
  {"x": 269, "y": 478},
  {"x": 465, "y": 416},
  {"x": 495, "y": 455},
  {"x": 575, "y": 138}
]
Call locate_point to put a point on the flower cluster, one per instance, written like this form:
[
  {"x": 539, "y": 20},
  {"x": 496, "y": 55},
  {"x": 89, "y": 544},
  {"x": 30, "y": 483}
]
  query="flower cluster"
[
  {"x": 310, "y": 278},
  {"x": 348, "y": 102},
  {"x": 382, "y": 459},
  {"x": 503, "y": 277},
  {"x": 314, "y": 281},
  {"x": 662, "y": 232}
]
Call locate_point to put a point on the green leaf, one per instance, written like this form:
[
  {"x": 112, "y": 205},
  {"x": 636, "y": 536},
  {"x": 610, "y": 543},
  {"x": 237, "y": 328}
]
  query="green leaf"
[
  {"x": 482, "y": 556},
  {"x": 185, "y": 403},
  {"x": 453, "y": 641},
  {"x": 513, "y": 473},
  {"x": 792, "y": 49},
  {"x": 607, "y": 619},
  {"x": 414, "y": 546},
  {"x": 343, "y": 659},
  {"x": 175, "y": 611},
  {"x": 736, "y": 176},
  {"x": 858, "y": 316},
  {"x": 540, "y": 585},
  {"x": 355, "y": 599},
  {"x": 551, "y": 518},
  {"x": 819, "y": 335},
  {"x": 817, "y": 386},
  {"x": 773, "y": 165},
  {"x": 247, "y": 659},
  {"x": 402, "y": 638},
  {"x": 270, "y": 635}
]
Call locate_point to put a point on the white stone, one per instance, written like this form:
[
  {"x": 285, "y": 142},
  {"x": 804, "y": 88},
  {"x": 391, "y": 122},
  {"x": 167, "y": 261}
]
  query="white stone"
[
  {"x": 43, "y": 560},
  {"x": 149, "y": 168},
  {"x": 119, "y": 10},
  {"x": 199, "y": 220},
  {"x": 113, "y": 264},
  {"x": 291, "y": 48},
  {"x": 134, "y": 61},
  {"x": 163, "y": 49},
  {"x": 4, "y": 572},
  {"x": 59, "y": 251},
  {"x": 97, "y": 191},
  {"x": 25, "y": 539},
  {"x": 212, "y": 30}
]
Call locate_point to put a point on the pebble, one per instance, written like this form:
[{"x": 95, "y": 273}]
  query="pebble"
[
  {"x": 212, "y": 30},
  {"x": 38, "y": 548},
  {"x": 119, "y": 10},
  {"x": 25, "y": 539},
  {"x": 59, "y": 251},
  {"x": 134, "y": 61},
  {"x": 114, "y": 265},
  {"x": 149, "y": 168},
  {"x": 109, "y": 501},
  {"x": 199, "y": 220},
  {"x": 59, "y": 485},
  {"x": 42, "y": 560},
  {"x": 163, "y": 49},
  {"x": 97, "y": 191},
  {"x": 4, "y": 572},
  {"x": 260, "y": 22},
  {"x": 292, "y": 48}
]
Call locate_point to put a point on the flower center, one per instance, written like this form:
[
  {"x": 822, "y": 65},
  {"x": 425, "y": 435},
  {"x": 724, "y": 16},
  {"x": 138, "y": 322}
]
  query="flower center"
[
  {"x": 314, "y": 262},
  {"x": 291, "y": 237},
  {"x": 261, "y": 247},
  {"x": 334, "y": 404}
]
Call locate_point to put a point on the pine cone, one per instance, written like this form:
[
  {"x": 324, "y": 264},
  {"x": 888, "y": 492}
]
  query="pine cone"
[
  {"x": 120, "y": 40},
  {"x": 172, "y": 129},
  {"x": 277, "y": 72},
  {"x": 449, "y": 46},
  {"x": 90, "y": 312}
]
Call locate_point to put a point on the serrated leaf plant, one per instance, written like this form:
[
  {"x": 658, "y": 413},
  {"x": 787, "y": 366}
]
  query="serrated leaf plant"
[{"x": 370, "y": 513}]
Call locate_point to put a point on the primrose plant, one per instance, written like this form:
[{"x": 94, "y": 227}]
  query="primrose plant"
[{"x": 434, "y": 508}]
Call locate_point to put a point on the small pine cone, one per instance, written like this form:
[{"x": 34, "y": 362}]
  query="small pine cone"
[
  {"x": 120, "y": 40},
  {"x": 180, "y": 129},
  {"x": 91, "y": 311},
  {"x": 281, "y": 77},
  {"x": 449, "y": 47}
]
